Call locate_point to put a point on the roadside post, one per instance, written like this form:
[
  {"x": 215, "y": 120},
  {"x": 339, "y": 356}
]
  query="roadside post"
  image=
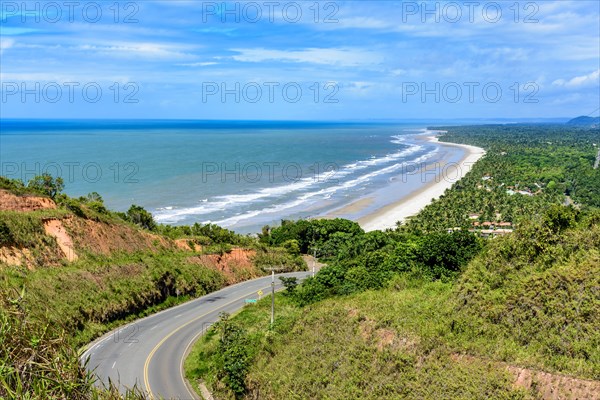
[
  {"x": 272, "y": 297},
  {"x": 273, "y": 269}
]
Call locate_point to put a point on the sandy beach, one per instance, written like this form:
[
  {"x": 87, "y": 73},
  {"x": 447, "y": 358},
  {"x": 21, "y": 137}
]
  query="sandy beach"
[{"x": 411, "y": 204}]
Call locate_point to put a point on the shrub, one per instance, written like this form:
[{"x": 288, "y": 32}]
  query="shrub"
[
  {"x": 292, "y": 247},
  {"x": 290, "y": 284},
  {"x": 6, "y": 236},
  {"x": 234, "y": 358},
  {"x": 139, "y": 216},
  {"x": 98, "y": 207},
  {"x": 72, "y": 205}
]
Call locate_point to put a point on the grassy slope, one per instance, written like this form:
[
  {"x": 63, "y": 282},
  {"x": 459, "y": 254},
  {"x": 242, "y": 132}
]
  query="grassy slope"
[
  {"x": 92, "y": 295},
  {"x": 378, "y": 344},
  {"x": 49, "y": 306},
  {"x": 538, "y": 294}
]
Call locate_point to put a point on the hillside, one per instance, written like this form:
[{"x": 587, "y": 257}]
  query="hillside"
[
  {"x": 71, "y": 270},
  {"x": 585, "y": 121},
  {"x": 36, "y": 233}
]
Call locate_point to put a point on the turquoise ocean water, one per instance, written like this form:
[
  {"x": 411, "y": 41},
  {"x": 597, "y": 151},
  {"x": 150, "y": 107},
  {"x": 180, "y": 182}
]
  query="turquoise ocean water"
[{"x": 240, "y": 175}]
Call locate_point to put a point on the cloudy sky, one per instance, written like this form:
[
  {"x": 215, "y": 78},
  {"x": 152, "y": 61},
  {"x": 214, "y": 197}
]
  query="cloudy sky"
[{"x": 303, "y": 60}]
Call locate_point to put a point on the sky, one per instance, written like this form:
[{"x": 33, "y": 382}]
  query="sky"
[{"x": 299, "y": 60}]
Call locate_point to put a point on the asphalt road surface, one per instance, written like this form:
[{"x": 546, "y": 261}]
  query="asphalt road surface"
[{"x": 150, "y": 352}]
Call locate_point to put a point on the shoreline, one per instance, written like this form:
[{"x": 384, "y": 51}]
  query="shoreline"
[{"x": 412, "y": 203}]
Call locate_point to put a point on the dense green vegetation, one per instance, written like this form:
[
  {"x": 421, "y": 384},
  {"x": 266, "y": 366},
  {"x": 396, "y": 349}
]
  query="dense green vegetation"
[
  {"x": 360, "y": 261},
  {"x": 536, "y": 292},
  {"x": 42, "y": 185},
  {"x": 547, "y": 161},
  {"x": 421, "y": 312}
]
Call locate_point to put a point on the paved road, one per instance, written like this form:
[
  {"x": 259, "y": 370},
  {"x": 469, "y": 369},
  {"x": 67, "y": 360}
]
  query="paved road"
[{"x": 150, "y": 352}]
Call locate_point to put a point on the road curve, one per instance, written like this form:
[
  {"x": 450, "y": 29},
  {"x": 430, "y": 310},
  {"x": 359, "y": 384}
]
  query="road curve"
[{"x": 150, "y": 352}]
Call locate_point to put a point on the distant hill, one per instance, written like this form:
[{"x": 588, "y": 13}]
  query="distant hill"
[{"x": 585, "y": 121}]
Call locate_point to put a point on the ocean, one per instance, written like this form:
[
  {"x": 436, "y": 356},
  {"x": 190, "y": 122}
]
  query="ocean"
[{"x": 238, "y": 174}]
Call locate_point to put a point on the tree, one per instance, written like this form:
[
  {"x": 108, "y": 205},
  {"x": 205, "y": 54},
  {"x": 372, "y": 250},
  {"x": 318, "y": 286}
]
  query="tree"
[
  {"x": 138, "y": 215},
  {"x": 94, "y": 196},
  {"x": 47, "y": 185},
  {"x": 559, "y": 218},
  {"x": 290, "y": 284},
  {"x": 292, "y": 247}
]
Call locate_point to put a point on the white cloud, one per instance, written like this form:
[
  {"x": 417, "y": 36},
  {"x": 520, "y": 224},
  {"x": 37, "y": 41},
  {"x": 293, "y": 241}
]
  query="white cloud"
[
  {"x": 502, "y": 52},
  {"x": 346, "y": 57},
  {"x": 590, "y": 79},
  {"x": 152, "y": 50},
  {"x": 6, "y": 43},
  {"x": 398, "y": 72},
  {"x": 198, "y": 64}
]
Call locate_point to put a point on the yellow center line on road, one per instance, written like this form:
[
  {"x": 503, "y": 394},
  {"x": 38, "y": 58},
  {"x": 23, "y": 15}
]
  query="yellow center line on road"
[{"x": 147, "y": 363}]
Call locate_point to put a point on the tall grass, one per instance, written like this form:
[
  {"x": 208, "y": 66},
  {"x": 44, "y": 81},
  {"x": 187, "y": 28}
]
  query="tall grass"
[{"x": 36, "y": 360}]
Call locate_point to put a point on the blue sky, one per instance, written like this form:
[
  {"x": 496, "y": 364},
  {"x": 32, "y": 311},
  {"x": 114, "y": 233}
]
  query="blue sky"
[{"x": 349, "y": 59}]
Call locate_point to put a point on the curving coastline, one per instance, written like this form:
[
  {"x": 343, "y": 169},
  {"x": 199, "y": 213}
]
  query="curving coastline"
[{"x": 412, "y": 203}]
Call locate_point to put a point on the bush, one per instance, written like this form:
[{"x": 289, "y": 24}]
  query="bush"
[
  {"x": 559, "y": 218},
  {"x": 139, "y": 216},
  {"x": 290, "y": 284},
  {"x": 292, "y": 247},
  {"x": 72, "y": 205},
  {"x": 444, "y": 255},
  {"x": 98, "y": 207},
  {"x": 6, "y": 237},
  {"x": 278, "y": 257},
  {"x": 234, "y": 358}
]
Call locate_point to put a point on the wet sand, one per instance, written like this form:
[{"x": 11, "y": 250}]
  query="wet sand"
[{"x": 412, "y": 203}]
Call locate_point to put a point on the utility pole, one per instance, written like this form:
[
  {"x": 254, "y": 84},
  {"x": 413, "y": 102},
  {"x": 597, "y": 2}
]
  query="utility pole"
[
  {"x": 314, "y": 261},
  {"x": 273, "y": 269},
  {"x": 272, "y": 297}
]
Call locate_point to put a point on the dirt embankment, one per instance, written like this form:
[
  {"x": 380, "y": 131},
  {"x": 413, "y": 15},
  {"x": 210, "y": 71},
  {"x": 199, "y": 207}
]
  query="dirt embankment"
[
  {"x": 102, "y": 238},
  {"x": 12, "y": 255},
  {"x": 12, "y": 202},
  {"x": 187, "y": 245},
  {"x": 236, "y": 265},
  {"x": 548, "y": 386},
  {"x": 55, "y": 228},
  {"x": 74, "y": 236}
]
